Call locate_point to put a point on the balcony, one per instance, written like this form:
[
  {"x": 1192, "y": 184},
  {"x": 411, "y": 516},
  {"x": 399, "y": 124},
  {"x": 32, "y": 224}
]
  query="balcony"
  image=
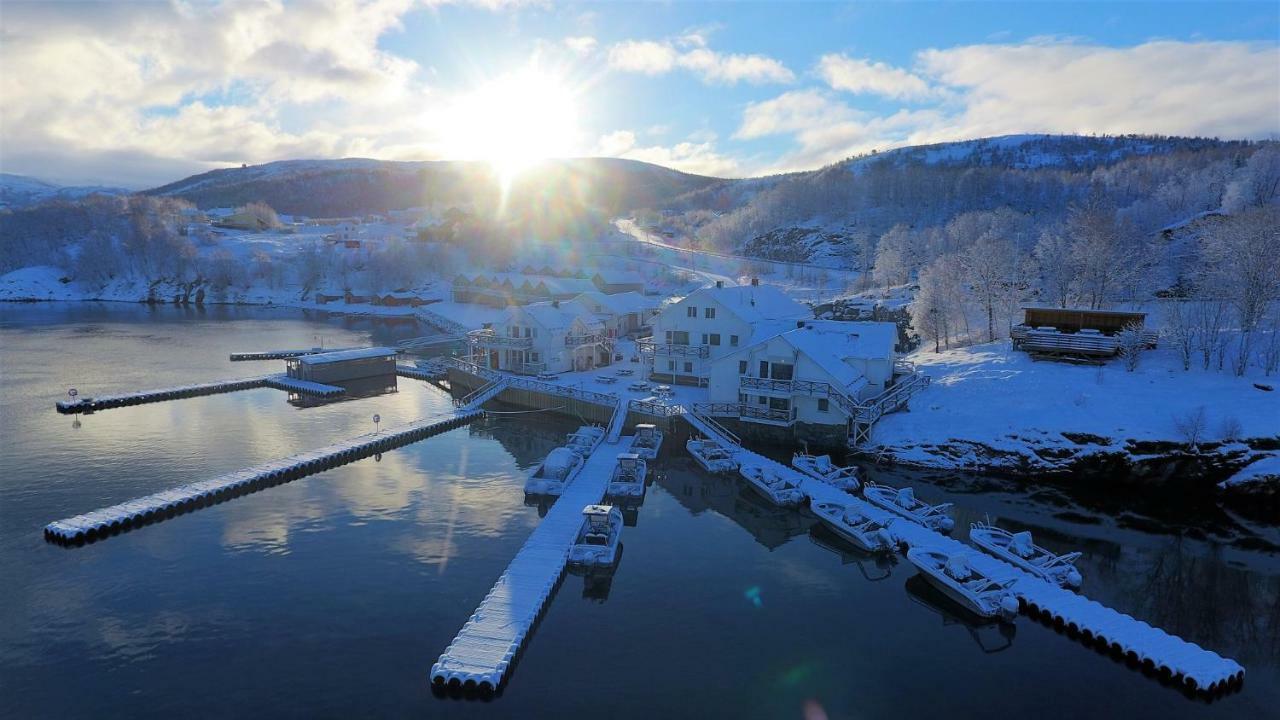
[
  {"x": 784, "y": 387},
  {"x": 529, "y": 368},
  {"x": 491, "y": 339},
  {"x": 648, "y": 347},
  {"x": 587, "y": 339},
  {"x": 748, "y": 412}
]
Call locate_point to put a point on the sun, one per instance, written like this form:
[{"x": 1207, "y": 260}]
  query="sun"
[{"x": 516, "y": 120}]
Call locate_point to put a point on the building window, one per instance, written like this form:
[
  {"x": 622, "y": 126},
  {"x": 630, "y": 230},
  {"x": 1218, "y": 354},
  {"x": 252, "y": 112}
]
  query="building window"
[
  {"x": 715, "y": 338},
  {"x": 733, "y": 340},
  {"x": 677, "y": 337},
  {"x": 691, "y": 311},
  {"x": 535, "y": 332},
  {"x": 688, "y": 367},
  {"x": 515, "y": 331},
  {"x": 528, "y": 332},
  {"x": 533, "y": 357},
  {"x": 762, "y": 400},
  {"x": 823, "y": 404},
  {"x": 781, "y": 371},
  {"x": 671, "y": 365},
  {"x": 742, "y": 397},
  {"x": 764, "y": 368},
  {"x": 742, "y": 367},
  {"x": 779, "y": 404},
  {"x": 709, "y": 313},
  {"x": 704, "y": 338}
]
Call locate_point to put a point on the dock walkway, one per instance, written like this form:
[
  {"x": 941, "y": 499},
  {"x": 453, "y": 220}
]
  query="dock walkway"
[
  {"x": 167, "y": 503},
  {"x": 143, "y": 397},
  {"x": 1155, "y": 650},
  {"x": 484, "y": 650},
  {"x": 280, "y": 354}
]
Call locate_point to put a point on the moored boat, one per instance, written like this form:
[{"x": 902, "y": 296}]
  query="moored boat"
[
  {"x": 585, "y": 439},
  {"x": 647, "y": 441},
  {"x": 955, "y": 577},
  {"x": 1018, "y": 549},
  {"x": 905, "y": 503},
  {"x": 778, "y": 489},
  {"x": 597, "y": 542},
  {"x": 711, "y": 455},
  {"x": 820, "y": 467},
  {"x": 863, "y": 532},
  {"x": 554, "y": 473},
  {"x": 628, "y": 477}
]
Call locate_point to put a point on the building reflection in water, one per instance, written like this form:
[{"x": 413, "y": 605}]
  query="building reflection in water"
[
  {"x": 698, "y": 492},
  {"x": 355, "y": 390}
]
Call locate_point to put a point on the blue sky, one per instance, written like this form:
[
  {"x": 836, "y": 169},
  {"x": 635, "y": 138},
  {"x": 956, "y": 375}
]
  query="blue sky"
[{"x": 722, "y": 88}]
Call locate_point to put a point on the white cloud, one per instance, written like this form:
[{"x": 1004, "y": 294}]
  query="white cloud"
[
  {"x": 692, "y": 156},
  {"x": 642, "y": 56},
  {"x": 581, "y": 45},
  {"x": 650, "y": 57},
  {"x": 864, "y": 76}
]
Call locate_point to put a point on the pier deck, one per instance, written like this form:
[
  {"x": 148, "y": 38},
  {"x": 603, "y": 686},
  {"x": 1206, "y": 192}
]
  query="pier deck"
[
  {"x": 280, "y": 354},
  {"x": 482, "y": 653},
  {"x": 143, "y": 397},
  {"x": 1141, "y": 644},
  {"x": 167, "y": 503}
]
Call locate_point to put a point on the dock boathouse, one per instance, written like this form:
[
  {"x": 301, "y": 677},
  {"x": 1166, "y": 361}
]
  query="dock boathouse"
[{"x": 343, "y": 365}]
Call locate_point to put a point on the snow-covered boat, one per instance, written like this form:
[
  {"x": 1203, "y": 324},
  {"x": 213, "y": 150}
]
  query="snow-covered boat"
[
  {"x": 597, "y": 541},
  {"x": 1018, "y": 549},
  {"x": 863, "y": 532},
  {"x": 821, "y": 468},
  {"x": 955, "y": 577},
  {"x": 711, "y": 455},
  {"x": 628, "y": 477},
  {"x": 554, "y": 473},
  {"x": 647, "y": 441},
  {"x": 779, "y": 490},
  {"x": 905, "y": 503},
  {"x": 585, "y": 439}
]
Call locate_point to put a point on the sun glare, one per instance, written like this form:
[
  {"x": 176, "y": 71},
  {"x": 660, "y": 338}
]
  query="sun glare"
[{"x": 515, "y": 121}]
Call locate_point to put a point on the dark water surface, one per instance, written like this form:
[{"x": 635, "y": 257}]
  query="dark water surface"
[{"x": 331, "y": 596}]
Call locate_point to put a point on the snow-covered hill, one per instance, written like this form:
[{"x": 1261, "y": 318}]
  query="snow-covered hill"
[{"x": 17, "y": 191}]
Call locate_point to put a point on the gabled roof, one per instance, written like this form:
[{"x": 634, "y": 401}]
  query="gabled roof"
[
  {"x": 621, "y": 303},
  {"x": 553, "y": 316},
  {"x": 753, "y": 303},
  {"x": 828, "y": 343}
]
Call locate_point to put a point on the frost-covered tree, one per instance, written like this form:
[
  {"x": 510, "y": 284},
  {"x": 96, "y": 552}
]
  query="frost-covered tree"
[
  {"x": 894, "y": 255},
  {"x": 996, "y": 273},
  {"x": 263, "y": 213},
  {"x": 1056, "y": 261},
  {"x": 1257, "y": 183},
  {"x": 1107, "y": 252},
  {"x": 1242, "y": 259}
]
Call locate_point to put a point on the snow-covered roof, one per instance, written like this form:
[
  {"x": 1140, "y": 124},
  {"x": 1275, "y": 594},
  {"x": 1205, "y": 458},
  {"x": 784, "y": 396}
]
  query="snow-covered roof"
[
  {"x": 620, "y": 277},
  {"x": 829, "y": 344},
  {"x": 753, "y": 303},
  {"x": 567, "y": 285},
  {"x": 621, "y": 303},
  {"x": 553, "y": 315},
  {"x": 346, "y": 355}
]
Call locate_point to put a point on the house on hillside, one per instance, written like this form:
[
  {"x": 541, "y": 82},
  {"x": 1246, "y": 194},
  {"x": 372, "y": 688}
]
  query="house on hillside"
[
  {"x": 712, "y": 322},
  {"x": 618, "y": 281},
  {"x": 813, "y": 375},
  {"x": 543, "y": 337},
  {"x": 241, "y": 221}
]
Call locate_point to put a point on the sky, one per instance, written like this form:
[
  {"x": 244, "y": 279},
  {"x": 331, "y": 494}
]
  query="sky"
[{"x": 143, "y": 93}]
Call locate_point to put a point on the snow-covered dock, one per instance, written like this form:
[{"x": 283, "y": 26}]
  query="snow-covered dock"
[
  {"x": 90, "y": 404},
  {"x": 420, "y": 373},
  {"x": 306, "y": 387},
  {"x": 280, "y": 354},
  {"x": 167, "y": 503},
  {"x": 1137, "y": 642},
  {"x": 484, "y": 650}
]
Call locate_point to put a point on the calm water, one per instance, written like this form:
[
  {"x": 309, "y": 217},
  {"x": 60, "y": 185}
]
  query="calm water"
[{"x": 331, "y": 596}]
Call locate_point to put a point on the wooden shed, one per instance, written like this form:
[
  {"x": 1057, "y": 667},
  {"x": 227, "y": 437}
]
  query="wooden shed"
[
  {"x": 1107, "y": 322},
  {"x": 343, "y": 365}
]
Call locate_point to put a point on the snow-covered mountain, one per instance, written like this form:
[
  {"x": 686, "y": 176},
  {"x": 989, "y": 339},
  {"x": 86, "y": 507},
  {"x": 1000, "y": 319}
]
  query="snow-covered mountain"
[{"x": 18, "y": 191}]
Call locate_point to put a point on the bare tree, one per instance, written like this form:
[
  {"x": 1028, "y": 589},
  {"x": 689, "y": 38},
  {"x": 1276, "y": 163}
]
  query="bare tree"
[
  {"x": 1057, "y": 263},
  {"x": 1243, "y": 267},
  {"x": 1191, "y": 427},
  {"x": 995, "y": 270},
  {"x": 1132, "y": 344},
  {"x": 1180, "y": 331},
  {"x": 1107, "y": 254}
]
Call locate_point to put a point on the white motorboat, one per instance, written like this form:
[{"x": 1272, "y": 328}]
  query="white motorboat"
[
  {"x": 905, "y": 503},
  {"x": 647, "y": 441},
  {"x": 628, "y": 477},
  {"x": 863, "y": 532},
  {"x": 554, "y": 473},
  {"x": 1018, "y": 549},
  {"x": 585, "y": 439},
  {"x": 956, "y": 578},
  {"x": 597, "y": 541},
  {"x": 778, "y": 489},
  {"x": 820, "y": 467},
  {"x": 711, "y": 455}
]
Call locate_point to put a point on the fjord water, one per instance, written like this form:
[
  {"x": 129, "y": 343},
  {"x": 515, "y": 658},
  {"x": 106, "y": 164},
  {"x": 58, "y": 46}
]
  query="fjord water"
[{"x": 331, "y": 596}]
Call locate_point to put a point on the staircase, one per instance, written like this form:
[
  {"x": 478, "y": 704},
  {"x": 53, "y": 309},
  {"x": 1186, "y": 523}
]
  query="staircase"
[{"x": 483, "y": 394}]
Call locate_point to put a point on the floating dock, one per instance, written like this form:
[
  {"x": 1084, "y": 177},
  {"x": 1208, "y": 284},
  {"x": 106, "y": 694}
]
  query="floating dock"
[
  {"x": 482, "y": 654},
  {"x": 167, "y": 503},
  {"x": 280, "y": 354},
  {"x": 1150, "y": 648},
  {"x": 142, "y": 397},
  {"x": 421, "y": 373}
]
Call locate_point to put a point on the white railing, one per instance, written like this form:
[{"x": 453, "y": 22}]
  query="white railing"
[
  {"x": 649, "y": 347},
  {"x": 442, "y": 322},
  {"x": 490, "y": 338}
]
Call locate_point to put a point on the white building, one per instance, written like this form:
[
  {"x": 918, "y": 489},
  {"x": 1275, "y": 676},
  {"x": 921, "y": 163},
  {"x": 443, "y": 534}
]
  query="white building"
[
  {"x": 624, "y": 313},
  {"x": 543, "y": 337},
  {"x": 713, "y": 322},
  {"x": 815, "y": 373}
]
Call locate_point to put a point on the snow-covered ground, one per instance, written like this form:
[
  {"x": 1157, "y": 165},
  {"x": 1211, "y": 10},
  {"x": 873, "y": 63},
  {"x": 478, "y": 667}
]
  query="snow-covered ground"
[{"x": 992, "y": 406}]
